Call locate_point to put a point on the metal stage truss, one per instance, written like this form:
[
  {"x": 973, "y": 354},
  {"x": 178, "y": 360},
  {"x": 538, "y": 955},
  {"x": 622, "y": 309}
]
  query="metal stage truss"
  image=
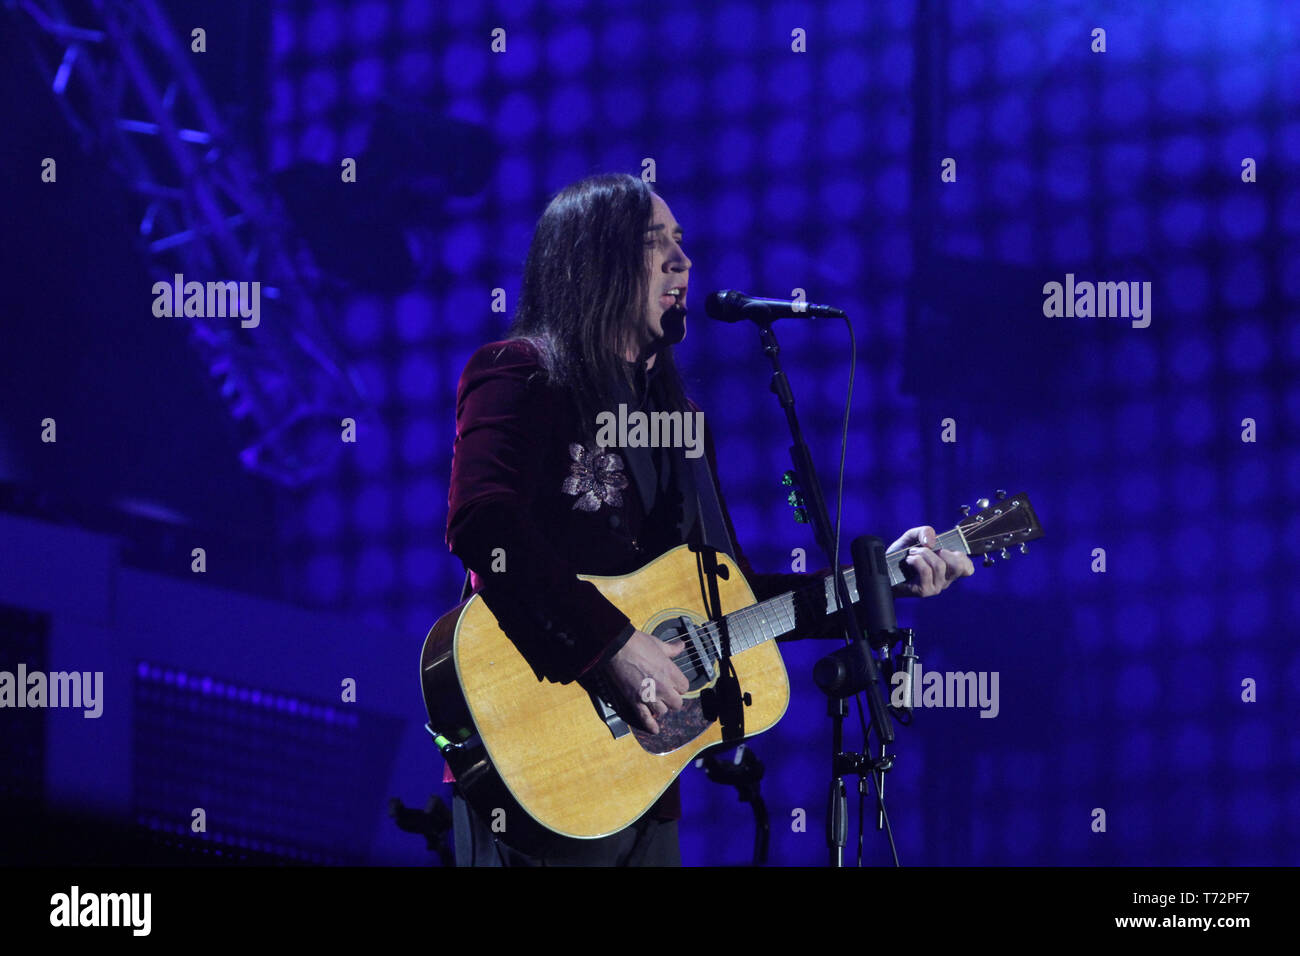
[{"x": 124, "y": 78}]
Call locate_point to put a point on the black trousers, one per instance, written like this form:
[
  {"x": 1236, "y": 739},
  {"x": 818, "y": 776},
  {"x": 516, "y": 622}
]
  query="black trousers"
[{"x": 648, "y": 842}]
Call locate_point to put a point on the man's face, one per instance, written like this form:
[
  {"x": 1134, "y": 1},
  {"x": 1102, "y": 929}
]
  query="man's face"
[{"x": 664, "y": 322}]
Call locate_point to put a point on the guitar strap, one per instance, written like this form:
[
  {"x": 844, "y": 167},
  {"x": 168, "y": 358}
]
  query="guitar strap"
[{"x": 713, "y": 528}]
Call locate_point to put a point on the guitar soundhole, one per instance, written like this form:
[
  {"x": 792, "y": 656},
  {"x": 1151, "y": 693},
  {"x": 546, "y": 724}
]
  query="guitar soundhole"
[{"x": 699, "y": 670}]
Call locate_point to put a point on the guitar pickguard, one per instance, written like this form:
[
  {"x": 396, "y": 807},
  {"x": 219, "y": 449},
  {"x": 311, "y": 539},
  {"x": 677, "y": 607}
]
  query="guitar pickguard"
[{"x": 676, "y": 728}]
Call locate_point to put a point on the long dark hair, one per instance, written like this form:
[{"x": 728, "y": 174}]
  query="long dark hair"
[{"x": 584, "y": 290}]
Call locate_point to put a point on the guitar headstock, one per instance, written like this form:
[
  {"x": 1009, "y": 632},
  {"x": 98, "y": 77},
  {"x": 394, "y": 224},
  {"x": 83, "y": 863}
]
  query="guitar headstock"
[{"x": 1000, "y": 525}]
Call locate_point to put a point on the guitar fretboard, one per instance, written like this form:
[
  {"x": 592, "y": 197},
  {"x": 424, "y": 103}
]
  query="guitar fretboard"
[{"x": 777, "y": 617}]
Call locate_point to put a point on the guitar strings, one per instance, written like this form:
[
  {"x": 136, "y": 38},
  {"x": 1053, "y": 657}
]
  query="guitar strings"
[{"x": 710, "y": 632}]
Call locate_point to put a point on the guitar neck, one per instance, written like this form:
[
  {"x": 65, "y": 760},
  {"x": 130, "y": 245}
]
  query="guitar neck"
[
  {"x": 778, "y": 617},
  {"x": 1000, "y": 525},
  {"x": 952, "y": 540}
]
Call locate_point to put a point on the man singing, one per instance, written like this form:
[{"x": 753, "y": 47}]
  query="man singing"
[{"x": 602, "y": 305}]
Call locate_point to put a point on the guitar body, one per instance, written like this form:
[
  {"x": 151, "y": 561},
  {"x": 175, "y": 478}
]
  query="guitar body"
[{"x": 543, "y": 753}]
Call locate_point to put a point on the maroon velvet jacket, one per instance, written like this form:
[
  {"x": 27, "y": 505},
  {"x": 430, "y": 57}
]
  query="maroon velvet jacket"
[{"x": 522, "y": 481}]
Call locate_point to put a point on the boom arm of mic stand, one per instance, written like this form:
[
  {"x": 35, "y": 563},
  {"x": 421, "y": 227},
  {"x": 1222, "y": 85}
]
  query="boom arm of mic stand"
[{"x": 803, "y": 466}]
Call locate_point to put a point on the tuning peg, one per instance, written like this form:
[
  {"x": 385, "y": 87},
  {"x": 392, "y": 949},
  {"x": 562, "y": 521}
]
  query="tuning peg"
[
  {"x": 793, "y": 497},
  {"x": 1024, "y": 547},
  {"x": 988, "y": 561},
  {"x": 982, "y": 503},
  {"x": 965, "y": 510},
  {"x": 1004, "y": 554},
  {"x": 800, "y": 515},
  {"x": 787, "y": 478},
  {"x": 1002, "y": 493}
]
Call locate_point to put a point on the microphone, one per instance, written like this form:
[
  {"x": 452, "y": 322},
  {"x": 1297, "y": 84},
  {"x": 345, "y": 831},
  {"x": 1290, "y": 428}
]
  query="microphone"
[
  {"x": 732, "y": 306},
  {"x": 875, "y": 598},
  {"x": 844, "y": 671}
]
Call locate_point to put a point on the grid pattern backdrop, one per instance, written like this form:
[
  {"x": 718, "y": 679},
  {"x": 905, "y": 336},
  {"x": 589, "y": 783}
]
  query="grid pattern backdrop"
[{"x": 1120, "y": 691}]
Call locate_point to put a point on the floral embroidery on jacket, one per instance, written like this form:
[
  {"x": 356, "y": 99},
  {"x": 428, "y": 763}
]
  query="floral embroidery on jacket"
[{"x": 595, "y": 476}]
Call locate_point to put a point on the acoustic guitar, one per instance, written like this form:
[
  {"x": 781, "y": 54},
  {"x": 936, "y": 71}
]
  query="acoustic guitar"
[{"x": 538, "y": 759}]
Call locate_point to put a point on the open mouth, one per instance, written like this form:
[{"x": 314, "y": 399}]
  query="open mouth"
[{"x": 674, "y": 297}]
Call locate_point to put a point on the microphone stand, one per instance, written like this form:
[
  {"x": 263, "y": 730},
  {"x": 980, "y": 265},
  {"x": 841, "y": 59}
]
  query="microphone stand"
[
  {"x": 743, "y": 771},
  {"x": 841, "y": 763}
]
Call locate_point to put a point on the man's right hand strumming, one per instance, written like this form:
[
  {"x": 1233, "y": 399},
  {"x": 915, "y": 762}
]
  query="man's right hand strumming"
[{"x": 650, "y": 684}]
